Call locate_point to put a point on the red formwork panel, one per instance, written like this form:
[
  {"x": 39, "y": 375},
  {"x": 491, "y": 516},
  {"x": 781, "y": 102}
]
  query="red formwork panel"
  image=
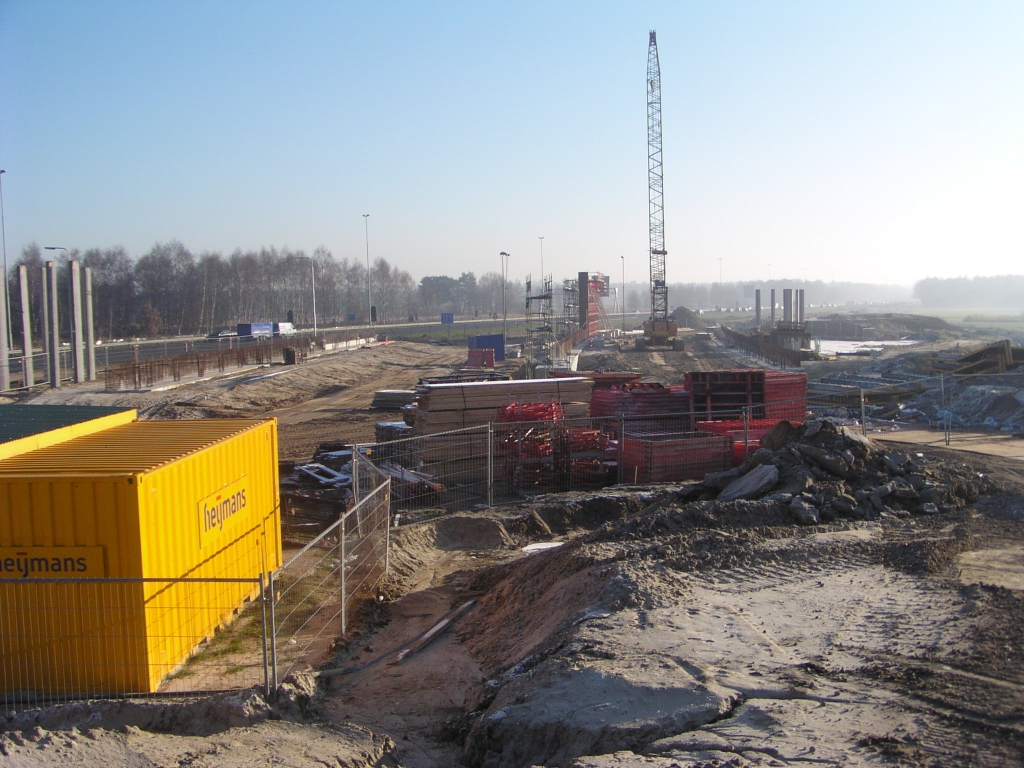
[
  {"x": 755, "y": 429},
  {"x": 720, "y": 395},
  {"x": 639, "y": 399},
  {"x": 481, "y": 358},
  {"x": 659, "y": 458},
  {"x": 785, "y": 396}
]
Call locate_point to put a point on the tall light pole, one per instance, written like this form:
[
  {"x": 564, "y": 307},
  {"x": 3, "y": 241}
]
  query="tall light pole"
[
  {"x": 312, "y": 273},
  {"x": 623, "y": 293},
  {"x": 369, "y": 301},
  {"x": 504, "y": 311},
  {"x": 3, "y": 232},
  {"x": 721, "y": 293}
]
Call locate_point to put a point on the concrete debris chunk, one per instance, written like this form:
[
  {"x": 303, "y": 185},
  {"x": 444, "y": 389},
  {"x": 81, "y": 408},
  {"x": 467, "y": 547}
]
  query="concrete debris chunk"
[
  {"x": 720, "y": 480},
  {"x": 830, "y": 462},
  {"x": 804, "y": 513},
  {"x": 779, "y": 435},
  {"x": 752, "y": 485}
]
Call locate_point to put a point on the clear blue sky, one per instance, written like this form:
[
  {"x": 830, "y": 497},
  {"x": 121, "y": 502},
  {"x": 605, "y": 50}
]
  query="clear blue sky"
[{"x": 872, "y": 141}]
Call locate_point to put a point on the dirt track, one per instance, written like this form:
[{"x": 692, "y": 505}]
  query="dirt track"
[{"x": 328, "y": 398}]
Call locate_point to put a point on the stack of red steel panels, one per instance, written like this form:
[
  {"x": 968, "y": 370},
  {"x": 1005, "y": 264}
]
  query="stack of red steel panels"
[
  {"x": 785, "y": 396},
  {"x": 755, "y": 428},
  {"x": 530, "y": 412},
  {"x": 653, "y": 458},
  {"x": 639, "y": 399},
  {"x": 481, "y": 358},
  {"x": 721, "y": 395}
]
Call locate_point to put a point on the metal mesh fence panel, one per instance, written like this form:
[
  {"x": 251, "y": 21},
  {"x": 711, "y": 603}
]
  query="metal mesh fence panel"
[
  {"x": 945, "y": 410},
  {"x": 315, "y": 594},
  {"x": 449, "y": 470},
  {"x": 65, "y": 639}
]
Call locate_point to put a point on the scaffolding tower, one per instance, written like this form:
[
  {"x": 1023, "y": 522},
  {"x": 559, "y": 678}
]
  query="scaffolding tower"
[
  {"x": 540, "y": 320},
  {"x": 570, "y": 307}
]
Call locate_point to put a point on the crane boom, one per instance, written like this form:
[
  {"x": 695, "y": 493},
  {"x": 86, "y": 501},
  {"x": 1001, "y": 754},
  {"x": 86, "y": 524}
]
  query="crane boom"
[{"x": 659, "y": 328}]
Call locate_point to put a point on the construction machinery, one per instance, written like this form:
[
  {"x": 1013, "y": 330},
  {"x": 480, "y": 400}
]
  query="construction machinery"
[{"x": 659, "y": 330}]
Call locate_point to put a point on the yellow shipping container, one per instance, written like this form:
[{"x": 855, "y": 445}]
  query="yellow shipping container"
[
  {"x": 25, "y": 428},
  {"x": 145, "y": 500}
]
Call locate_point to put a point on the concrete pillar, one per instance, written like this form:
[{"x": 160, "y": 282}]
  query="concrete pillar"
[
  {"x": 26, "y": 327},
  {"x": 44, "y": 310},
  {"x": 77, "y": 337},
  {"x": 90, "y": 335},
  {"x": 800, "y": 311},
  {"x": 53, "y": 346},
  {"x": 773, "y": 308},
  {"x": 787, "y": 305},
  {"x": 757, "y": 308},
  {"x": 5, "y": 352}
]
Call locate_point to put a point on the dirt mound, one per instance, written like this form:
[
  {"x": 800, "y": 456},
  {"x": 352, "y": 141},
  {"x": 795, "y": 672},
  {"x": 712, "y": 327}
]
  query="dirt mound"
[
  {"x": 199, "y": 717},
  {"x": 268, "y": 743},
  {"x": 687, "y": 318},
  {"x": 693, "y": 629}
]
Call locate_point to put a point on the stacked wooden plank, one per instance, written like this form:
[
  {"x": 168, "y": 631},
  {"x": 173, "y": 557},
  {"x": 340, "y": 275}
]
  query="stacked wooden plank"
[
  {"x": 392, "y": 399},
  {"x": 444, "y": 407},
  {"x": 604, "y": 379}
]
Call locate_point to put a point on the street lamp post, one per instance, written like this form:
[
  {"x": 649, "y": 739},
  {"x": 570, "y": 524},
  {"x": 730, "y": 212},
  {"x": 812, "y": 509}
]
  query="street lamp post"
[
  {"x": 721, "y": 293},
  {"x": 369, "y": 300},
  {"x": 312, "y": 273},
  {"x": 7, "y": 291},
  {"x": 623, "y": 293},
  {"x": 504, "y": 310}
]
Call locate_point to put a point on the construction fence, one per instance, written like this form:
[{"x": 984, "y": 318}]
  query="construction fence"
[
  {"x": 66, "y": 639},
  {"x": 479, "y": 467},
  {"x": 939, "y": 410},
  {"x": 482, "y": 466}
]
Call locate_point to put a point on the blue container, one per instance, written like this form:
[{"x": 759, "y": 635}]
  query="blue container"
[{"x": 495, "y": 341}]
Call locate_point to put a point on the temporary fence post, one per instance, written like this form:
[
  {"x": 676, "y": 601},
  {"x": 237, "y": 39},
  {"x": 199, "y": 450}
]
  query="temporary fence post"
[
  {"x": 344, "y": 615},
  {"x": 355, "y": 472},
  {"x": 490, "y": 464},
  {"x": 949, "y": 416},
  {"x": 263, "y": 629},
  {"x": 273, "y": 632},
  {"x": 942, "y": 404},
  {"x": 387, "y": 529},
  {"x": 622, "y": 447},
  {"x": 863, "y": 414},
  {"x": 746, "y": 431}
]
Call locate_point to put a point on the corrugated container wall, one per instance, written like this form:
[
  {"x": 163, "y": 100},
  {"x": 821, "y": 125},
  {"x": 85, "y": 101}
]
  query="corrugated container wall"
[{"x": 146, "y": 500}]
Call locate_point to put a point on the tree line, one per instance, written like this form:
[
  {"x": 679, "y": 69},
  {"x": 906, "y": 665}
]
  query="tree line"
[
  {"x": 1000, "y": 292},
  {"x": 171, "y": 291}
]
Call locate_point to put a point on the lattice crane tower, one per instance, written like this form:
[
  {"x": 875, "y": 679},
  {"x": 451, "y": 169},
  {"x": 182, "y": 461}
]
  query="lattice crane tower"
[{"x": 659, "y": 329}]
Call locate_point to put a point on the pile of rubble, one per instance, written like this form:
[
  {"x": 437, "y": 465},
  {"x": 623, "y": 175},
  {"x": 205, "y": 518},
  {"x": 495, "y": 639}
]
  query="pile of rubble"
[{"x": 822, "y": 473}]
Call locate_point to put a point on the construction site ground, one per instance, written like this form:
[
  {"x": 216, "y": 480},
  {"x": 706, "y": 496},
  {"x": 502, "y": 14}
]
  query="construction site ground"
[{"x": 661, "y": 630}]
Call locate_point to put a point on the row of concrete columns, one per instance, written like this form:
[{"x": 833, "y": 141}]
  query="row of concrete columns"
[
  {"x": 790, "y": 314},
  {"x": 83, "y": 345}
]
